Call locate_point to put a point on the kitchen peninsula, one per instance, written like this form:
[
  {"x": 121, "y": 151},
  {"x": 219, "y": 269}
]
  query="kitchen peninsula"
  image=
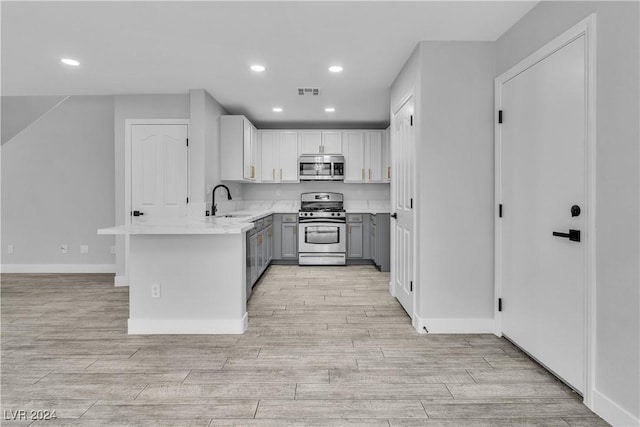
[{"x": 187, "y": 276}]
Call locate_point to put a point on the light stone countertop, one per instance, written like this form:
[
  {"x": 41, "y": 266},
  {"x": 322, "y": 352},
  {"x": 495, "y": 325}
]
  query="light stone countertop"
[
  {"x": 238, "y": 224},
  {"x": 241, "y": 219}
]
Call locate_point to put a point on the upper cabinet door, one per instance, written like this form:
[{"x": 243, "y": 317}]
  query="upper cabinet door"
[
  {"x": 310, "y": 142},
  {"x": 248, "y": 152},
  {"x": 373, "y": 156},
  {"x": 354, "y": 156},
  {"x": 386, "y": 155},
  {"x": 288, "y": 157},
  {"x": 269, "y": 156},
  {"x": 331, "y": 142},
  {"x": 237, "y": 149}
]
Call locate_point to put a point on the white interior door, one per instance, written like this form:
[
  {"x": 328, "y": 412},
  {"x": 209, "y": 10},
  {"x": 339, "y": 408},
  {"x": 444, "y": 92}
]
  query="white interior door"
[
  {"x": 543, "y": 175},
  {"x": 402, "y": 193},
  {"x": 159, "y": 171}
]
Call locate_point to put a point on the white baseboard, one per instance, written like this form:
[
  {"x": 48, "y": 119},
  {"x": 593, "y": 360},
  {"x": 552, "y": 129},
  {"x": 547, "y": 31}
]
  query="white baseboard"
[
  {"x": 455, "y": 326},
  {"x": 58, "y": 268},
  {"x": 392, "y": 290},
  {"x": 611, "y": 412},
  {"x": 188, "y": 326},
  {"x": 120, "y": 281}
]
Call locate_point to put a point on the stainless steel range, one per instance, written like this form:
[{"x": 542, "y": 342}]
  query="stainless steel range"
[{"x": 322, "y": 226}]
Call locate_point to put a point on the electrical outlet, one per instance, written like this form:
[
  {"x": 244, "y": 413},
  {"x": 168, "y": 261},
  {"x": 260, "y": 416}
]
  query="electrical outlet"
[
  {"x": 84, "y": 249},
  {"x": 113, "y": 249},
  {"x": 155, "y": 290},
  {"x": 10, "y": 249},
  {"x": 64, "y": 249}
]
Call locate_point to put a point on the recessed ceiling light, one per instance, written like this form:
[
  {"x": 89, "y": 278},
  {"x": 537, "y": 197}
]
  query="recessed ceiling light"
[
  {"x": 277, "y": 109},
  {"x": 70, "y": 61},
  {"x": 258, "y": 68},
  {"x": 335, "y": 68},
  {"x": 329, "y": 109}
]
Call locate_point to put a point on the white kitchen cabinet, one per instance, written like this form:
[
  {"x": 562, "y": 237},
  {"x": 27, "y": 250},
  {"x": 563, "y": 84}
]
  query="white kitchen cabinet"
[
  {"x": 373, "y": 155},
  {"x": 386, "y": 155},
  {"x": 279, "y": 156},
  {"x": 288, "y": 156},
  {"x": 353, "y": 156},
  {"x": 320, "y": 142},
  {"x": 363, "y": 156},
  {"x": 331, "y": 142},
  {"x": 269, "y": 150},
  {"x": 237, "y": 149}
]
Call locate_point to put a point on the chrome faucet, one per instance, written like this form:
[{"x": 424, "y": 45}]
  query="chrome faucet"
[{"x": 213, "y": 197}]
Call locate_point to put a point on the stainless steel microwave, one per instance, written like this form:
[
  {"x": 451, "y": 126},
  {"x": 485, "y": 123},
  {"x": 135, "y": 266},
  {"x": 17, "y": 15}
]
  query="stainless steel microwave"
[{"x": 321, "y": 168}]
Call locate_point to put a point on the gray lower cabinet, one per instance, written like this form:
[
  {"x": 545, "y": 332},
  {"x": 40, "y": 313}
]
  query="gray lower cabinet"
[
  {"x": 289, "y": 240},
  {"x": 259, "y": 250},
  {"x": 285, "y": 237},
  {"x": 355, "y": 236},
  {"x": 380, "y": 242}
]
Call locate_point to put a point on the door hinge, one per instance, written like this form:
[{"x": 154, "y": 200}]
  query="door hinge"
[
  {"x": 499, "y": 116},
  {"x": 411, "y": 120},
  {"x": 500, "y": 210},
  {"x": 187, "y": 142},
  {"x": 187, "y": 200},
  {"x": 499, "y": 304},
  {"x": 411, "y": 285},
  {"x": 411, "y": 203}
]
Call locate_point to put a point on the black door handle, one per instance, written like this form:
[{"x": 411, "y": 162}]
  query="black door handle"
[
  {"x": 137, "y": 213},
  {"x": 394, "y": 215},
  {"x": 573, "y": 235}
]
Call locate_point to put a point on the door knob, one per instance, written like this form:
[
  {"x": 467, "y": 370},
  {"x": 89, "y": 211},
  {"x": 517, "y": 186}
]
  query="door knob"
[
  {"x": 137, "y": 213},
  {"x": 394, "y": 215},
  {"x": 573, "y": 235}
]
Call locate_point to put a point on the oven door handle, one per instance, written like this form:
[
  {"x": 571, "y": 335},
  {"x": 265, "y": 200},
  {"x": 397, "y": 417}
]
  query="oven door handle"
[{"x": 331, "y": 221}]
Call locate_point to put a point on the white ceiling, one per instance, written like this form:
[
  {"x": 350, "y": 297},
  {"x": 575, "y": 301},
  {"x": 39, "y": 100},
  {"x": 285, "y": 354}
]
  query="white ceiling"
[{"x": 171, "y": 47}]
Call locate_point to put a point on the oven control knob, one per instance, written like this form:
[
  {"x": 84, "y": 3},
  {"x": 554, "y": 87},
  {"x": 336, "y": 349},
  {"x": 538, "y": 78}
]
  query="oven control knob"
[
  {"x": 333, "y": 214},
  {"x": 311, "y": 214}
]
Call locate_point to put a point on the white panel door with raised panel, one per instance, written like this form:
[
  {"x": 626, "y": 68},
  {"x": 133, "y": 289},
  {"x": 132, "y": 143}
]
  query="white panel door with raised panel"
[
  {"x": 159, "y": 170},
  {"x": 402, "y": 193}
]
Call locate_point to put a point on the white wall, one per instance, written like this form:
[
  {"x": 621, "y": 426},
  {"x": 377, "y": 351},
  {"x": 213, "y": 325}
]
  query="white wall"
[
  {"x": 58, "y": 187},
  {"x": 453, "y": 119},
  {"x": 351, "y": 192},
  {"x": 213, "y": 111},
  {"x": 617, "y": 380},
  {"x": 138, "y": 107},
  {"x": 456, "y": 188}
]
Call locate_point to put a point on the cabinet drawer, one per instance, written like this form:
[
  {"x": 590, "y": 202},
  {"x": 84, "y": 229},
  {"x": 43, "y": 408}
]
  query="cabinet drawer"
[
  {"x": 259, "y": 224},
  {"x": 290, "y": 218},
  {"x": 354, "y": 218},
  {"x": 268, "y": 220}
]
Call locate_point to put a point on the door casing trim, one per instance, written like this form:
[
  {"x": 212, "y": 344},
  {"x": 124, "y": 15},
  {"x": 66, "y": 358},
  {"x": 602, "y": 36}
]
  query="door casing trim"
[{"x": 587, "y": 29}]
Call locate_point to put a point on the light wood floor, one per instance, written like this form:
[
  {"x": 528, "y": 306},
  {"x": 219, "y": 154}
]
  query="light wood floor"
[{"x": 326, "y": 346}]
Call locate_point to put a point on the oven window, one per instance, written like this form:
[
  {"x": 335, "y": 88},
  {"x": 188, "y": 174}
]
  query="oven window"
[
  {"x": 315, "y": 169},
  {"x": 321, "y": 234}
]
